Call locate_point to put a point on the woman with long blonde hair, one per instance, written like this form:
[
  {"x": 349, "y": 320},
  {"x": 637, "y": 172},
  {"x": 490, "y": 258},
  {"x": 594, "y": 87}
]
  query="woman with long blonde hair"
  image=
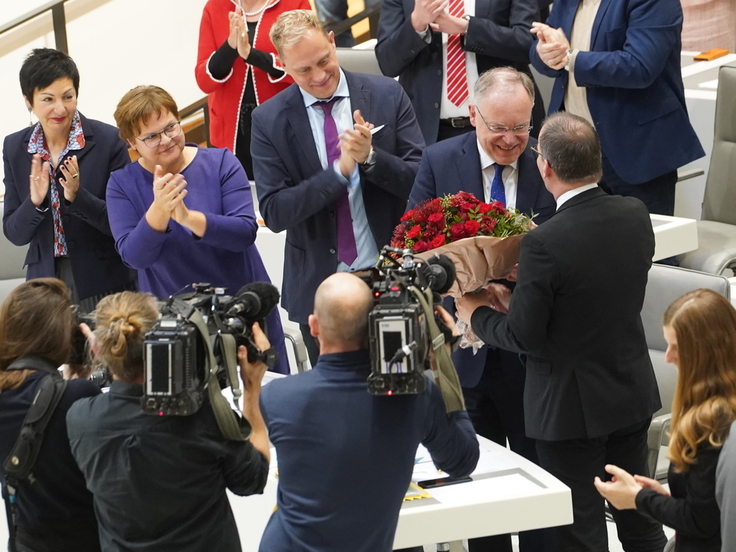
[{"x": 700, "y": 329}]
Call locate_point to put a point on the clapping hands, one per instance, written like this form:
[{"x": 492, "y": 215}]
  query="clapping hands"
[
  {"x": 168, "y": 196},
  {"x": 552, "y": 46},
  {"x": 238, "y": 37},
  {"x": 433, "y": 13},
  {"x": 355, "y": 144},
  {"x": 39, "y": 180}
]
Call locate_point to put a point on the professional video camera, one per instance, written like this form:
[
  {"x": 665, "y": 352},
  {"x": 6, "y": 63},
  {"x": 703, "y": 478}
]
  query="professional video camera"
[
  {"x": 192, "y": 349},
  {"x": 398, "y": 327}
]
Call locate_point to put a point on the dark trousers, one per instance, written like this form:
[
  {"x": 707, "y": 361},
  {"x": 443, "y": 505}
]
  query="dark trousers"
[
  {"x": 311, "y": 343},
  {"x": 657, "y": 194},
  {"x": 496, "y": 408},
  {"x": 576, "y": 462},
  {"x": 242, "y": 143}
]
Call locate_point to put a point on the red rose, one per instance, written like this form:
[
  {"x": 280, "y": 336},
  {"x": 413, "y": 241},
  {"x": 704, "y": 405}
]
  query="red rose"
[
  {"x": 472, "y": 227},
  {"x": 420, "y": 246},
  {"x": 484, "y": 208},
  {"x": 414, "y": 231},
  {"x": 438, "y": 241},
  {"x": 465, "y": 207},
  {"x": 436, "y": 219},
  {"x": 420, "y": 215},
  {"x": 434, "y": 206},
  {"x": 498, "y": 208},
  {"x": 488, "y": 225},
  {"x": 457, "y": 231},
  {"x": 407, "y": 215}
]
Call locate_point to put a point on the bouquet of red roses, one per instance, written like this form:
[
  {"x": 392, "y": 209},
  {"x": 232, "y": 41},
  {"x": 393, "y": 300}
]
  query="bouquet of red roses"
[{"x": 482, "y": 239}]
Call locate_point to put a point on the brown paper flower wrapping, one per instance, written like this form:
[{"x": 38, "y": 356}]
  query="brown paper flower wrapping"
[{"x": 478, "y": 260}]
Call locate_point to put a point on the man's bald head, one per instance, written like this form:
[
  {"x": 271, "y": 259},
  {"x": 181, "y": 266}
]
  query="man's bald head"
[{"x": 341, "y": 307}]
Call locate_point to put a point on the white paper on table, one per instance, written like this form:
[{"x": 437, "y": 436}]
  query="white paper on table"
[
  {"x": 494, "y": 461},
  {"x": 424, "y": 468},
  {"x": 711, "y": 84},
  {"x": 496, "y": 487},
  {"x": 490, "y": 461}
]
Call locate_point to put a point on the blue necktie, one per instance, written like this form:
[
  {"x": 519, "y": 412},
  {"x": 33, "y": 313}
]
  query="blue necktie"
[
  {"x": 347, "y": 250},
  {"x": 498, "y": 192}
]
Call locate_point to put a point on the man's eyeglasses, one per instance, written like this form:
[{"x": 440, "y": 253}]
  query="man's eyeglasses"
[
  {"x": 535, "y": 150},
  {"x": 520, "y": 130},
  {"x": 154, "y": 140}
]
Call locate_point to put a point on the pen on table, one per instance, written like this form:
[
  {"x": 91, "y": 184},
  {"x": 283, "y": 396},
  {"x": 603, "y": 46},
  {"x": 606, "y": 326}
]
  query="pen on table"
[{"x": 376, "y": 129}]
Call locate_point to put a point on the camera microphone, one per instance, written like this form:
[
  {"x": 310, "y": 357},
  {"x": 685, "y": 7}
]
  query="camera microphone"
[
  {"x": 255, "y": 300},
  {"x": 439, "y": 271}
]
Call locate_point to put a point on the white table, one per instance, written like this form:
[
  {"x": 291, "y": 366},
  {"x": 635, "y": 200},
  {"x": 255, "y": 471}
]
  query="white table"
[
  {"x": 673, "y": 236},
  {"x": 516, "y": 496}
]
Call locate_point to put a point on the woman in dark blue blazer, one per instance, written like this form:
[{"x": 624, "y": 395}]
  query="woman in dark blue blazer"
[{"x": 56, "y": 174}]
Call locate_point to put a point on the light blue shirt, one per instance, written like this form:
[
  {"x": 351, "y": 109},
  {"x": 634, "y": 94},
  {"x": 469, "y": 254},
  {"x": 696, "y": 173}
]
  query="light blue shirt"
[{"x": 342, "y": 112}]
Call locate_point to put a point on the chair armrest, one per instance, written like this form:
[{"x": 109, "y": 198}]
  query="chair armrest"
[
  {"x": 300, "y": 350},
  {"x": 655, "y": 438},
  {"x": 688, "y": 174}
]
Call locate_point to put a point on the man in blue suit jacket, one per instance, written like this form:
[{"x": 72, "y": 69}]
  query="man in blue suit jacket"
[
  {"x": 492, "y": 379},
  {"x": 412, "y": 44},
  {"x": 626, "y": 81},
  {"x": 299, "y": 182}
]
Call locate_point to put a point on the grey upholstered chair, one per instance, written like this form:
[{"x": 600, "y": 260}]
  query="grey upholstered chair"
[
  {"x": 667, "y": 283},
  {"x": 12, "y": 273},
  {"x": 717, "y": 230}
]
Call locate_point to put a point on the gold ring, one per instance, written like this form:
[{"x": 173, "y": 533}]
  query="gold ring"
[{"x": 75, "y": 175}]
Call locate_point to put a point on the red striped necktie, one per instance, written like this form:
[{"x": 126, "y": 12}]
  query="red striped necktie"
[{"x": 457, "y": 78}]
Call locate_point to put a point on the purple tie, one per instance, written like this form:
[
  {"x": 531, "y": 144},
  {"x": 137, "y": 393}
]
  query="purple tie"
[
  {"x": 347, "y": 251},
  {"x": 498, "y": 192}
]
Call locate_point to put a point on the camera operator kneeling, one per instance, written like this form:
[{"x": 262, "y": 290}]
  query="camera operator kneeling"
[
  {"x": 159, "y": 481},
  {"x": 53, "y": 509}
]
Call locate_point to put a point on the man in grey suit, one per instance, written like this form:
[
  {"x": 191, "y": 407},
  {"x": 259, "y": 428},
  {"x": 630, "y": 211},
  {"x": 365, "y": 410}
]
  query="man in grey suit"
[
  {"x": 590, "y": 388},
  {"x": 492, "y": 379}
]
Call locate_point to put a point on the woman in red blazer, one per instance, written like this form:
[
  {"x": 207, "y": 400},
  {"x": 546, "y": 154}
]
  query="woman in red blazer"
[{"x": 238, "y": 67}]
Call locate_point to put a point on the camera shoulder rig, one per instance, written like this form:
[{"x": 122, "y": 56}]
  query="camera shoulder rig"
[{"x": 234, "y": 426}]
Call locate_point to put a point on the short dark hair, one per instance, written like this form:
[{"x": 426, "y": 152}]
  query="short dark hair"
[
  {"x": 570, "y": 145},
  {"x": 44, "y": 66}
]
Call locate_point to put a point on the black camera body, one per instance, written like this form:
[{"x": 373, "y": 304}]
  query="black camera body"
[
  {"x": 398, "y": 332},
  {"x": 176, "y": 356},
  {"x": 174, "y": 368}
]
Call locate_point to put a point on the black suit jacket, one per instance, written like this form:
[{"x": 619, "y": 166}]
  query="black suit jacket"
[
  {"x": 297, "y": 195},
  {"x": 96, "y": 265},
  {"x": 498, "y": 34},
  {"x": 576, "y": 313},
  {"x": 453, "y": 165}
]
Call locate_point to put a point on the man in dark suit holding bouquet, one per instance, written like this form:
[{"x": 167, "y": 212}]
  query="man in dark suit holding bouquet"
[
  {"x": 494, "y": 163},
  {"x": 590, "y": 388}
]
